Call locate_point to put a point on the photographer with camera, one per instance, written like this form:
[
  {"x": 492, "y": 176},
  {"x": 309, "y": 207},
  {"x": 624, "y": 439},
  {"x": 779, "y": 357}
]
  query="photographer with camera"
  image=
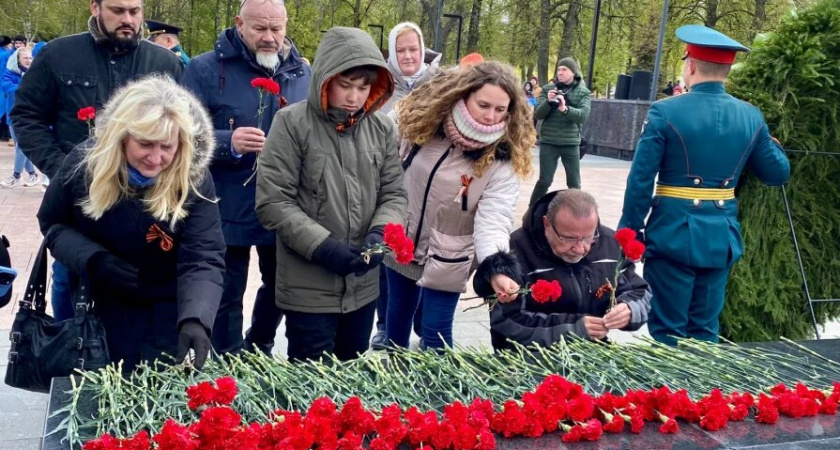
[{"x": 563, "y": 107}]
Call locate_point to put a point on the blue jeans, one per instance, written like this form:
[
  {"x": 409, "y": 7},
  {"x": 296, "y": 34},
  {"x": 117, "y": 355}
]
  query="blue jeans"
[
  {"x": 438, "y": 309},
  {"x": 21, "y": 161},
  {"x": 62, "y": 292}
]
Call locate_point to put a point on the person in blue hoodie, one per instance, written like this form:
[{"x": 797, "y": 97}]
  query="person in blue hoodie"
[
  {"x": 6, "y": 51},
  {"x": 16, "y": 67}
]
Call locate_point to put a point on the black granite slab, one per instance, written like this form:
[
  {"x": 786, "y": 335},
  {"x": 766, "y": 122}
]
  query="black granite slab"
[
  {"x": 613, "y": 127},
  {"x": 811, "y": 433}
]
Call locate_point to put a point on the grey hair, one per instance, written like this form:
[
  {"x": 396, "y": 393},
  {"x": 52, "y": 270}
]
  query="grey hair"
[{"x": 581, "y": 204}]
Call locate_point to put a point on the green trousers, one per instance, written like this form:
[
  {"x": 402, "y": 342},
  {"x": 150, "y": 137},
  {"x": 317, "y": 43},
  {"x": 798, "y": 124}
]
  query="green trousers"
[
  {"x": 549, "y": 154},
  {"x": 687, "y": 301}
]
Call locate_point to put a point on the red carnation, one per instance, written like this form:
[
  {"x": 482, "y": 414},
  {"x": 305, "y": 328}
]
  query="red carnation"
[
  {"x": 543, "y": 291},
  {"x": 592, "y": 430},
  {"x": 225, "y": 390},
  {"x": 139, "y": 441},
  {"x": 670, "y": 426},
  {"x": 575, "y": 434},
  {"x": 634, "y": 250},
  {"x": 486, "y": 440},
  {"x": 201, "y": 394},
  {"x": 624, "y": 235},
  {"x": 86, "y": 113},
  {"x": 614, "y": 425},
  {"x": 767, "y": 411},
  {"x": 395, "y": 238},
  {"x": 174, "y": 436},
  {"x": 266, "y": 84},
  {"x": 637, "y": 423}
]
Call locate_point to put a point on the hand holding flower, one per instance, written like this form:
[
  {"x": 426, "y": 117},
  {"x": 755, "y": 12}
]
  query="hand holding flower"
[
  {"x": 541, "y": 291},
  {"x": 618, "y": 317},
  {"x": 505, "y": 288}
]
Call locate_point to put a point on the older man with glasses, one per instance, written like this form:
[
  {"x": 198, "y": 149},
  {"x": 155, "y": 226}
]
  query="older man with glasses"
[{"x": 563, "y": 239}]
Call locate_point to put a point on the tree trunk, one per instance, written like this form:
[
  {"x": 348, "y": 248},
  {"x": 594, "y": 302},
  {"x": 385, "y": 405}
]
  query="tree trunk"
[
  {"x": 759, "y": 16},
  {"x": 473, "y": 33},
  {"x": 543, "y": 38},
  {"x": 711, "y": 13},
  {"x": 357, "y": 14},
  {"x": 569, "y": 26}
]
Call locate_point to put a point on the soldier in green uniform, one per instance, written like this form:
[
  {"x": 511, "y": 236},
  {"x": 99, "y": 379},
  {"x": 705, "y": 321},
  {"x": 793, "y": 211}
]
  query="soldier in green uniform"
[
  {"x": 697, "y": 144},
  {"x": 167, "y": 36}
]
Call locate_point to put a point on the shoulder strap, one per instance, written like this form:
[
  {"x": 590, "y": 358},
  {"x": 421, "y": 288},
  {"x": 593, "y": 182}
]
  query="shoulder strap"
[
  {"x": 410, "y": 157},
  {"x": 36, "y": 288}
]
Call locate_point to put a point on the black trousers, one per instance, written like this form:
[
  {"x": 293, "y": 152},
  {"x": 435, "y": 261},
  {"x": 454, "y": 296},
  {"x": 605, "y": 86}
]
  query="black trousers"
[
  {"x": 311, "y": 335},
  {"x": 227, "y": 330},
  {"x": 139, "y": 332}
]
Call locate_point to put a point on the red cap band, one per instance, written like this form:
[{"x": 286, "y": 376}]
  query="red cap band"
[{"x": 710, "y": 54}]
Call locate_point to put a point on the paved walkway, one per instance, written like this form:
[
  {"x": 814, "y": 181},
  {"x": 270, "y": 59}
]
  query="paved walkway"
[{"x": 22, "y": 413}]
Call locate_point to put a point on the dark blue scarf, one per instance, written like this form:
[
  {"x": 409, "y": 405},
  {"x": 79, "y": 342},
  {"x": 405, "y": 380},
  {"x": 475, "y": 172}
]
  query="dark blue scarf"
[{"x": 136, "y": 179}]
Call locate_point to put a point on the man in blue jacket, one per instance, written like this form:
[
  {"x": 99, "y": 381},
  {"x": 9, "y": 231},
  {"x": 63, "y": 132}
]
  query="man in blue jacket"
[
  {"x": 698, "y": 144},
  {"x": 256, "y": 47}
]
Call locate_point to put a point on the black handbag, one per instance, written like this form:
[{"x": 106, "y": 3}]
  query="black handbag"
[
  {"x": 42, "y": 348},
  {"x": 584, "y": 146}
]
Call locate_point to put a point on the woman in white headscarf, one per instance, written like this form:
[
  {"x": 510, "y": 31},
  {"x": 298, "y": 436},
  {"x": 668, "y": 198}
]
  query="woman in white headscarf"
[{"x": 407, "y": 62}]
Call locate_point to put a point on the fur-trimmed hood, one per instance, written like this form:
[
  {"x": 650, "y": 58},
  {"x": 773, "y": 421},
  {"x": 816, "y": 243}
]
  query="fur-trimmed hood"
[{"x": 204, "y": 140}]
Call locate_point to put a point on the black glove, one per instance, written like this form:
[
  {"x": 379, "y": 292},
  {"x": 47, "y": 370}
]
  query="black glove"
[
  {"x": 112, "y": 275},
  {"x": 496, "y": 264},
  {"x": 373, "y": 238},
  {"x": 193, "y": 335},
  {"x": 337, "y": 256}
]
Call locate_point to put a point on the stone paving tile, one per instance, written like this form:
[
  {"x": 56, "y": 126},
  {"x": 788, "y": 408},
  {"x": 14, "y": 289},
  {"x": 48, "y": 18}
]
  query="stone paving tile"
[{"x": 20, "y": 444}]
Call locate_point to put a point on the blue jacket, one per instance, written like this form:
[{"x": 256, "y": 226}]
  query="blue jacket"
[
  {"x": 4, "y": 58},
  {"x": 221, "y": 78},
  {"x": 9, "y": 82},
  {"x": 703, "y": 139}
]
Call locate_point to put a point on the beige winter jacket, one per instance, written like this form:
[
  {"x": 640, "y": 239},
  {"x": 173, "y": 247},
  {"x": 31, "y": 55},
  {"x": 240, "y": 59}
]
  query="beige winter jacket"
[{"x": 452, "y": 236}]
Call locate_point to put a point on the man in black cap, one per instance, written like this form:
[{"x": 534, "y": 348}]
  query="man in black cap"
[
  {"x": 167, "y": 36},
  {"x": 19, "y": 41}
]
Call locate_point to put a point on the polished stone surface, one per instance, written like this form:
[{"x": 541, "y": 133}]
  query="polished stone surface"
[
  {"x": 817, "y": 433},
  {"x": 614, "y": 126}
]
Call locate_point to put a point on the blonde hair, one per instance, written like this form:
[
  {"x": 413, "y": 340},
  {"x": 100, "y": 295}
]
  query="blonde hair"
[
  {"x": 422, "y": 112},
  {"x": 153, "y": 108},
  {"x": 407, "y": 29}
]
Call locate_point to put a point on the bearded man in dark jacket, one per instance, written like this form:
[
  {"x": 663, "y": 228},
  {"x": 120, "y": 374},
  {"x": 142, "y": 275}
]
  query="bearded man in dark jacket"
[
  {"x": 257, "y": 47},
  {"x": 83, "y": 70},
  {"x": 562, "y": 239}
]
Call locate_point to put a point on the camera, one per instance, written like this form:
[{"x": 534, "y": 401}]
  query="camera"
[{"x": 560, "y": 92}]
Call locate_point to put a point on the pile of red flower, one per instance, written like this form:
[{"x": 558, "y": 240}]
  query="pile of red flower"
[{"x": 556, "y": 404}]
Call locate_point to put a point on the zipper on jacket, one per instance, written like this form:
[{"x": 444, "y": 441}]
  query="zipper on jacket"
[
  {"x": 426, "y": 194},
  {"x": 451, "y": 260}
]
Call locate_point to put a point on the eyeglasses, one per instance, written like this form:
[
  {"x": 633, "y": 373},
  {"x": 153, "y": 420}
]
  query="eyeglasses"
[{"x": 570, "y": 242}]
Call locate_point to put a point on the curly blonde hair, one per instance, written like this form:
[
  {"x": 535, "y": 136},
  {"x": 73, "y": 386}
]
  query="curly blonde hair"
[{"x": 422, "y": 112}]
